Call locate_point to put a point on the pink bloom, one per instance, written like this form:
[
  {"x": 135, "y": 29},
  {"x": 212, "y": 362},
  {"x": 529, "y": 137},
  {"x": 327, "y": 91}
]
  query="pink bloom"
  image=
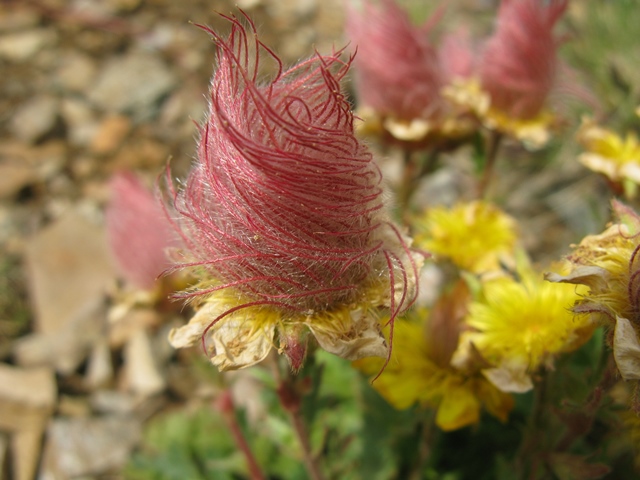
[
  {"x": 283, "y": 207},
  {"x": 138, "y": 231},
  {"x": 518, "y": 65},
  {"x": 398, "y": 73}
]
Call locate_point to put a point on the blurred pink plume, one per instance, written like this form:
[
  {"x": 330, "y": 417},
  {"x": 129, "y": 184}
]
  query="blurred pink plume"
[
  {"x": 398, "y": 72},
  {"x": 283, "y": 204},
  {"x": 138, "y": 231},
  {"x": 519, "y": 63},
  {"x": 457, "y": 55}
]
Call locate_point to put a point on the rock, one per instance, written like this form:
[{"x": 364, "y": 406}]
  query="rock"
[
  {"x": 141, "y": 153},
  {"x": 35, "y": 119},
  {"x": 27, "y": 400},
  {"x": 12, "y": 20},
  {"x": 25, "y": 453},
  {"x": 75, "y": 72},
  {"x": 142, "y": 376},
  {"x": 27, "y": 396},
  {"x": 73, "y": 406},
  {"x": 69, "y": 269},
  {"x": 89, "y": 446},
  {"x": 132, "y": 83},
  {"x": 112, "y": 401},
  {"x": 69, "y": 346},
  {"x": 14, "y": 176},
  {"x": 125, "y": 322},
  {"x": 80, "y": 120},
  {"x": 99, "y": 368},
  {"x": 4, "y": 454},
  {"x": 23, "y": 45},
  {"x": 110, "y": 134}
]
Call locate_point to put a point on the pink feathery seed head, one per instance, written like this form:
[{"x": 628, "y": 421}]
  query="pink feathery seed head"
[
  {"x": 138, "y": 231},
  {"x": 284, "y": 203},
  {"x": 519, "y": 64},
  {"x": 398, "y": 72}
]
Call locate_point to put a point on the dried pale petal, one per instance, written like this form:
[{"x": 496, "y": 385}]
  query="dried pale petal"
[
  {"x": 596, "y": 278},
  {"x": 629, "y": 219},
  {"x": 600, "y": 164},
  {"x": 232, "y": 343},
  {"x": 509, "y": 378},
  {"x": 411, "y": 130},
  {"x": 191, "y": 333},
  {"x": 626, "y": 349},
  {"x": 351, "y": 335},
  {"x": 237, "y": 343}
]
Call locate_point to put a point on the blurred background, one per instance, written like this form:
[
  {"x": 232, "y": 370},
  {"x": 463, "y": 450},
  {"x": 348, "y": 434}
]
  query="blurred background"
[{"x": 92, "y": 87}]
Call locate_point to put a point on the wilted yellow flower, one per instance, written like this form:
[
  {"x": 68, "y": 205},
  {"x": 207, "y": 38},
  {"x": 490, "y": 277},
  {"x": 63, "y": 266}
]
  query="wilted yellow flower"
[
  {"x": 520, "y": 325},
  {"x": 609, "y": 265},
  {"x": 533, "y": 132},
  {"x": 474, "y": 236},
  {"x": 420, "y": 371},
  {"x": 610, "y": 154}
]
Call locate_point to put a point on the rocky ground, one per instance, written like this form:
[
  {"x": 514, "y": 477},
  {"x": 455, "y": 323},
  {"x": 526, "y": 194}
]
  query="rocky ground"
[{"x": 90, "y": 87}]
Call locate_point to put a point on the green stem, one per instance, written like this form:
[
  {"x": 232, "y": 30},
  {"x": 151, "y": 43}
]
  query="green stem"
[
  {"x": 493, "y": 147},
  {"x": 412, "y": 174},
  {"x": 528, "y": 453},
  {"x": 426, "y": 440}
]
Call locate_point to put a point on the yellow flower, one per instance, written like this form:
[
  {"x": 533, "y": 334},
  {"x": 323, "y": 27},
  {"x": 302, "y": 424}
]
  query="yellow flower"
[
  {"x": 474, "y": 236},
  {"x": 237, "y": 333},
  {"x": 520, "y": 325},
  {"x": 609, "y": 265},
  {"x": 468, "y": 94},
  {"x": 415, "y": 374},
  {"x": 611, "y": 155}
]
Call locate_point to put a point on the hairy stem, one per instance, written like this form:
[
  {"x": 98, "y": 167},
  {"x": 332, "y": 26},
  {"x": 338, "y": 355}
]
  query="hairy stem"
[
  {"x": 291, "y": 400},
  {"x": 226, "y": 407}
]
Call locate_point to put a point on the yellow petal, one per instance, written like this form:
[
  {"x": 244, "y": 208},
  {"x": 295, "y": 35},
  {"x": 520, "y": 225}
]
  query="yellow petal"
[{"x": 459, "y": 408}]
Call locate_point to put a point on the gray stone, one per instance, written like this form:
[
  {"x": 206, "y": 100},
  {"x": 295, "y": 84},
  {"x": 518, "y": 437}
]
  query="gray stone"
[
  {"x": 23, "y": 45},
  {"x": 35, "y": 118},
  {"x": 133, "y": 83},
  {"x": 75, "y": 72},
  {"x": 80, "y": 120},
  {"x": 69, "y": 268},
  {"x": 89, "y": 446}
]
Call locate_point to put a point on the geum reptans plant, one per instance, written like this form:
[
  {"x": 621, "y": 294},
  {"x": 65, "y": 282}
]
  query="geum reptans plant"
[
  {"x": 517, "y": 71},
  {"x": 609, "y": 265},
  {"x": 283, "y": 218},
  {"x": 400, "y": 74}
]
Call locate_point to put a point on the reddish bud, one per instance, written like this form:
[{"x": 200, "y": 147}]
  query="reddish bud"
[
  {"x": 519, "y": 63},
  {"x": 138, "y": 231},
  {"x": 398, "y": 72}
]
